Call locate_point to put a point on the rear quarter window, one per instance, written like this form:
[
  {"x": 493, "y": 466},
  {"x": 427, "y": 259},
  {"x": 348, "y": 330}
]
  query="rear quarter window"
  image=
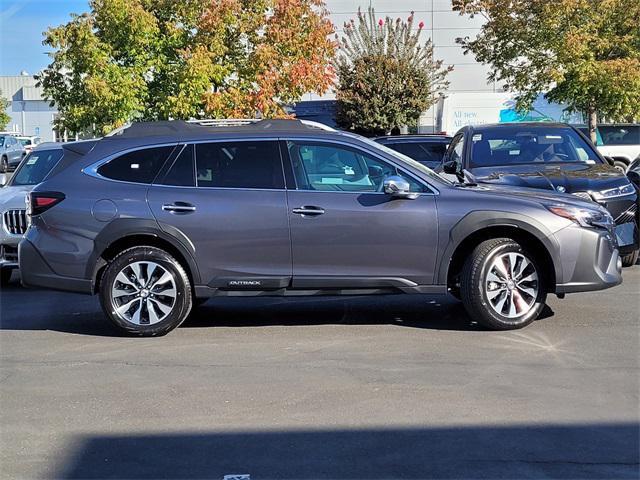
[{"x": 138, "y": 166}]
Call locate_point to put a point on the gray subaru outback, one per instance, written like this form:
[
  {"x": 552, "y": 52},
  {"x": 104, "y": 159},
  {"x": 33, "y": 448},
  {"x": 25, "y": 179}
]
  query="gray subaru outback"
[{"x": 164, "y": 215}]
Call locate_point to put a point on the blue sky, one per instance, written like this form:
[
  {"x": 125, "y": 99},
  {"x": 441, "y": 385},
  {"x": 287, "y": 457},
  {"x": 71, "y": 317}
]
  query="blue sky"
[{"x": 21, "y": 25}]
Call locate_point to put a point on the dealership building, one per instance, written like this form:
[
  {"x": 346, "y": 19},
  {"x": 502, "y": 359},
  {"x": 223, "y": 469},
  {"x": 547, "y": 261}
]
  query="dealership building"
[{"x": 31, "y": 114}]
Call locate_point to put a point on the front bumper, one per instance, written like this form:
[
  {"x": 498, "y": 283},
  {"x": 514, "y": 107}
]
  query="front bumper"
[{"x": 590, "y": 260}]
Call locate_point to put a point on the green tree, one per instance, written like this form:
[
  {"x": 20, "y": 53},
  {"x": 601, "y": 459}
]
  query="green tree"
[
  {"x": 4, "y": 116},
  {"x": 158, "y": 59},
  {"x": 387, "y": 76},
  {"x": 585, "y": 53}
]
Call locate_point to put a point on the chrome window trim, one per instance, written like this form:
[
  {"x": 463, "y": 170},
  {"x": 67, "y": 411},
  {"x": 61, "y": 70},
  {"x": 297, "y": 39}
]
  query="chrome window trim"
[{"x": 91, "y": 170}]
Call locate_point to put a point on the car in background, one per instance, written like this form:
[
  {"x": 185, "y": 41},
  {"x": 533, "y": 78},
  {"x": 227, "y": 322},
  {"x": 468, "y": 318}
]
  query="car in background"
[
  {"x": 633, "y": 172},
  {"x": 33, "y": 170},
  {"x": 549, "y": 156},
  {"x": 620, "y": 142},
  {"x": 425, "y": 149},
  {"x": 11, "y": 152},
  {"x": 29, "y": 143}
]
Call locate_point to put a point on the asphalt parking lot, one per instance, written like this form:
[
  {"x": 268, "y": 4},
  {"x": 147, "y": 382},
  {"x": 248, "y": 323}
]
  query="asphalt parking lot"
[{"x": 388, "y": 387}]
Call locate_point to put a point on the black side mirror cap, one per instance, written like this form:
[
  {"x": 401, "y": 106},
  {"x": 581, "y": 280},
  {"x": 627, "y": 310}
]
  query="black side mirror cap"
[{"x": 451, "y": 166}]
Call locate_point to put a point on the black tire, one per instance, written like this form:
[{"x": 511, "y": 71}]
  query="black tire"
[
  {"x": 475, "y": 290},
  {"x": 4, "y": 165},
  {"x": 180, "y": 301},
  {"x": 630, "y": 259},
  {"x": 5, "y": 276}
]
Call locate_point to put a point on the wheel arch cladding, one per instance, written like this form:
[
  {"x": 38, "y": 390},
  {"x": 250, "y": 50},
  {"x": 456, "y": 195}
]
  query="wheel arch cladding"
[
  {"x": 479, "y": 226},
  {"x": 125, "y": 233}
]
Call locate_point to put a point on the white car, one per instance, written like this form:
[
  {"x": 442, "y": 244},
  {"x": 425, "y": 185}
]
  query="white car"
[
  {"x": 620, "y": 142},
  {"x": 29, "y": 142}
]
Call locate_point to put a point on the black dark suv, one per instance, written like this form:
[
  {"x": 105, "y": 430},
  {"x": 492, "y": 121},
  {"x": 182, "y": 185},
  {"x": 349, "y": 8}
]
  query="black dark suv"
[{"x": 164, "y": 215}]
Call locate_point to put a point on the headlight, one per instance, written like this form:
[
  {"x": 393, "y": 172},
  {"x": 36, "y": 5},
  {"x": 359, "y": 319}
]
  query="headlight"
[
  {"x": 585, "y": 217},
  {"x": 613, "y": 192}
]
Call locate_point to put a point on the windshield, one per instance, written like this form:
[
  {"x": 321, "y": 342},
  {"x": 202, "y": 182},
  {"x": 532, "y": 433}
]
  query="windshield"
[
  {"x": 36, "y": 166},
  {"x": 517, "y": 145},
  {"x": 400, "y": 156},
  {"x": 25, "y": 141}
]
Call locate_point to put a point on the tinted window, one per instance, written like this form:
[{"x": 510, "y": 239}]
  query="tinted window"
[
  {"x": 36, "y": 166},
  {"x": 2, "y": 140},
  {"x": 327, "y": 167},
  {"x": 620, "y": 135},
  {"x": 429, "y": 153},
  {"x": 139, "y": 166},
  {"x": 517, "y": 145},
  {"x": 182, "y": 172},
  {"x": 239, "y": 165},
  {"x": 456, "y": 148}
]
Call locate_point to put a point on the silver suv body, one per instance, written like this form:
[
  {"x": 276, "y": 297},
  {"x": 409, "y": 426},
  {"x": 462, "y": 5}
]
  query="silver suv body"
[{"x": 163, "y": 215}]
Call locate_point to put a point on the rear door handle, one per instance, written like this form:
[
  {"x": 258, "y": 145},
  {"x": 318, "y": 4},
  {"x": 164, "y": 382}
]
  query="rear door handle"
[
  {"x": 308, "y": 210},
  {"x": 179, "y": 207}
]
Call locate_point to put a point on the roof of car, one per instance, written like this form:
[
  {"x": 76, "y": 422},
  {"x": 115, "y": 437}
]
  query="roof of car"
[
  {"x": 529, "y": 125},
  {"x": 180, "y": 128},
  {"x": 434, "y": 137}
]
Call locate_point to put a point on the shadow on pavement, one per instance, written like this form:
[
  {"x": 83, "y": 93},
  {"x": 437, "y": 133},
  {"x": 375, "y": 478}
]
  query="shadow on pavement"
[
  {"x": 23, "y": 309},
  {"x": 529, "y": 451}
]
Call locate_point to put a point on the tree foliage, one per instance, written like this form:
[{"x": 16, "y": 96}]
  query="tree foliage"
[
  {"x": 585, "y": 53},
  {"x": 159, "y": 59},
  {"x": 387, "y": 75},
  {"x": 4, "y": 116}
]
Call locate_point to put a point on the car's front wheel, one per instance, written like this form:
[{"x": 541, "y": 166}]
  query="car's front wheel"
[
  {"x": 502, "y": 285},
  {"x": 145, "y": 291}
]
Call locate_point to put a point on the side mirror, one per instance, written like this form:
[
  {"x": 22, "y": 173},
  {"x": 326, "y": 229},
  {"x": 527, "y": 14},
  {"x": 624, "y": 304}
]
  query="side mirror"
[
  {"x": 398, "y": 187},
  {"x": 451, "y": 166},
  {"x": 610, "y": 161},
  {"x": 4, "y": 179}
]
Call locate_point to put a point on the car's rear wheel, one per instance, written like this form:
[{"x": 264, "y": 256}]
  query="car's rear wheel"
[
  {"x": 630, "y": 259},
  {"x": 502, "y": 285},
  {"x": 145, "y": 291}
]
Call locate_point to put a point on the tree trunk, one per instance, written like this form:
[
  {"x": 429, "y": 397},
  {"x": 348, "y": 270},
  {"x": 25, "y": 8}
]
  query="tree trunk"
[{"x": 592, "y": 124}]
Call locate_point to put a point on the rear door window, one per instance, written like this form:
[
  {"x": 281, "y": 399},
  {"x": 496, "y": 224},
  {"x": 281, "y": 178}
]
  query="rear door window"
[
  {"x": 247, "y": 164},
  {"x": 182, "y": 172},
  {"x": 138, "y": 166}
]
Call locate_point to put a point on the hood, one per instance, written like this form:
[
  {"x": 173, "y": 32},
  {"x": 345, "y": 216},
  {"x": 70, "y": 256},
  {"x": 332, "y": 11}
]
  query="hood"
[
  {"x": 561, "y": 177},
  {"x": 13, "y": 197},
  {"x": 548, "y": 197}
]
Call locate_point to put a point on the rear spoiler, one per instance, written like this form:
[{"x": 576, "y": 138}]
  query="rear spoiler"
[{"x": 82, "y": 147}]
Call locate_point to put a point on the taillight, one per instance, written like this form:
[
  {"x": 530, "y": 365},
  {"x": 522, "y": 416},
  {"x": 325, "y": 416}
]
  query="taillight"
[{"x": 39, "y": 202}]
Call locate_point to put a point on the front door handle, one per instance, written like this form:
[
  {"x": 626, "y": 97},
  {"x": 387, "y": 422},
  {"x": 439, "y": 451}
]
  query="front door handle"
[
  {"x": 308, "y": 210},
  {"x": 179, "y": 207}
]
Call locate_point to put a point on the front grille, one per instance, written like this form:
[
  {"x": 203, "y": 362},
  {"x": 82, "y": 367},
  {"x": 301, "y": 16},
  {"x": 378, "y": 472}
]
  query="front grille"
[
  {"x": 15, "y": 221},
  {"x": 629, "y": 215}
]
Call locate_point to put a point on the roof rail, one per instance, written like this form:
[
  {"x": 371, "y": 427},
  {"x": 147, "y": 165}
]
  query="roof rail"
[{"x": 225, "y": 122}]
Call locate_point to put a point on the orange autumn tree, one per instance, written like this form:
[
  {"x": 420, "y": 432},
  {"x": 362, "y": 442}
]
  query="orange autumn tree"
[
  {"x": 128, "y": 60},
  {"x": 275, "y": 51}
]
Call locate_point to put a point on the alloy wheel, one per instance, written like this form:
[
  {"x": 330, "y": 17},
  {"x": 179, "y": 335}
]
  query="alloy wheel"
[
  {"x": 144, "y": 293},
  {"x": 511, "y": 285}
]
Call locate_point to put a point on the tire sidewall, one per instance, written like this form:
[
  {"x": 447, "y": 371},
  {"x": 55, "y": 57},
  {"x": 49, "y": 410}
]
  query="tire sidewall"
[
  {"x": 182, "y": 305},
  {"x": 479, "y": 284}
]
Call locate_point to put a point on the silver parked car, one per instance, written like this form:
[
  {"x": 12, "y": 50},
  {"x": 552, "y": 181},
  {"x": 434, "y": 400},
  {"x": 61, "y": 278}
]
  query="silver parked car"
[
  {"x": 33, "y": 170},
  {"x": 11, "y": 152},
  {"x": 164, "y": 215}
]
